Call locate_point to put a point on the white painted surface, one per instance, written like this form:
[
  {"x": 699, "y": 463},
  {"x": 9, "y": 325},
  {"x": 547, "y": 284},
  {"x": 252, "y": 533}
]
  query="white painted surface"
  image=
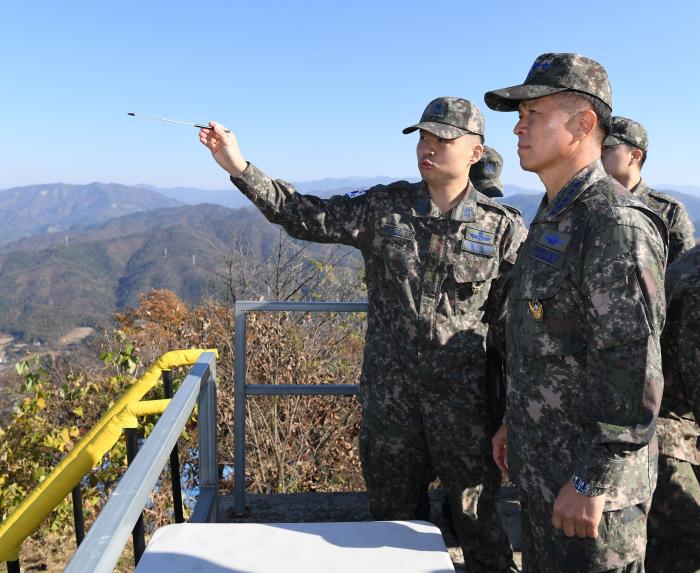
[{"x": 353, "y": 547}]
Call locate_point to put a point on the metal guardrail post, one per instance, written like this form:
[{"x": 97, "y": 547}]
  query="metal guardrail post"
[
  {"x": 239, "y": 399},
  {"x": 138, "y": 533},
  {"x": 206, "y": 509},
  {"x": 174, "y": 458},
  {"x": 78, "y": 518}
]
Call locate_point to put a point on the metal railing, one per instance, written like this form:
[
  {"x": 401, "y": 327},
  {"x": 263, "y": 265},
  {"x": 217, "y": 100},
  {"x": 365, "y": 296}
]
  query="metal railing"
[
  {"x": 243, "y": 390},
  {"x": 103, "y": 544}
]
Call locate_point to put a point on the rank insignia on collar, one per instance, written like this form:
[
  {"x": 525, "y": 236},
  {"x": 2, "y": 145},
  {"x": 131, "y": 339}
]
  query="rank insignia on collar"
[{"x": 535, "y": 307}]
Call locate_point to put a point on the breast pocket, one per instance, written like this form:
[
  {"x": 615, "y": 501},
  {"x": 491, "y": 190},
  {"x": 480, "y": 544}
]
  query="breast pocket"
[
  {"x": 469, "y": 279},
  {"x": 547, "y": 310}
]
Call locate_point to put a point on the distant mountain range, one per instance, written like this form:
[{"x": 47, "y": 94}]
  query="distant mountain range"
[
  {"x": 48, "y": 286},
  {"x": 70, "y": 255},
  {"x": 231, "y": 197},
  {"x": 52, "y": 208}
]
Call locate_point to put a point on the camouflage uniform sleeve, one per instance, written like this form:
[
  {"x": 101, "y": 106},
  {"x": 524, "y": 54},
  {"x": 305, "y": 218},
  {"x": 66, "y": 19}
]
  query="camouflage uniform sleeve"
[
  {"x": 496, "y": 305},
  {"x": 681, "y": 233},
  {"x": 689, "y": 348},
  {"x": 623, "y": 290},
  {"x": 339, "y": 219}
]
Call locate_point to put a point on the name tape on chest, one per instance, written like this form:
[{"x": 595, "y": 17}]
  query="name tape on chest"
[
  {"x": 479, "y": 236},
  {"x": 548, "y": 256},
  {"x": 399, "y": 232},
  {"x": 479, "y": 248},
  {"x": 553, "y": 239}
]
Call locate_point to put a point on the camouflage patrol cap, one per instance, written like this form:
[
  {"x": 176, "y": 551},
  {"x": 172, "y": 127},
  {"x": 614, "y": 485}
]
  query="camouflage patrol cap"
[
  {"x": 485, "y": 174},
  {"x": 554, "y": 73},
  {"x": 449, "y": 118},
  {"x": 623, "y": 130}
]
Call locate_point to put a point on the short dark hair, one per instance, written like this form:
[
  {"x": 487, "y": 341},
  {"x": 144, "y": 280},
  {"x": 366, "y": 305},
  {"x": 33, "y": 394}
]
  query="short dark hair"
[{"x": 601, "y": 110}]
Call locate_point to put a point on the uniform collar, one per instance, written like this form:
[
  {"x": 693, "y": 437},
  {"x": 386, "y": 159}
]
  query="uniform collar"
[
  {"x": 465, "y": 210},
  {"x": 552, "y": 210},
  {"x": 641, "y": 189}
]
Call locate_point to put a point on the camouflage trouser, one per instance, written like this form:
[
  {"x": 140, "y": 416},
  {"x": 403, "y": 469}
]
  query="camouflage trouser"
[
  {"x": 619, "y": 547},
  {"x": 674, "y": 519},
  {"x": 408, "y": 427}
]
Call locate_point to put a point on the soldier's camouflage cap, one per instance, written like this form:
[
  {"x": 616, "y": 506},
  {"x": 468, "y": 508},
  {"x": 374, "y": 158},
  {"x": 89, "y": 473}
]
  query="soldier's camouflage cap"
[
  {"x": 485, "y": 174},
  {"x": 624, "y": 130},
  {"x": 449, "y": 118},
  {"x": 553, "y": 73}
]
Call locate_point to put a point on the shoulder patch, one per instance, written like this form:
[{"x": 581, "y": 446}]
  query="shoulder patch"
[{"x": 355, "y": 194}]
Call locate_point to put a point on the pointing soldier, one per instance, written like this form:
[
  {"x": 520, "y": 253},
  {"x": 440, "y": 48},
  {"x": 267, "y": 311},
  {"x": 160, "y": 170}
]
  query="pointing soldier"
[
  {"x": 674, "y": 519},
  {"x": 585, "y": 312},
  {"x": 431, "y": 251},
  {"x": 624, "y": 154}
]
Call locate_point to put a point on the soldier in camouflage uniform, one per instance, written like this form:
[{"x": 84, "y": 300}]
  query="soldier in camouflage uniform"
[
  {"x": 674, "y": 520},
  {"x": 486, "y": 173},
  {"x": 431, "y": 251},
  {"x": 624, "y": 154},
  {"x": 585, "y": 313}
]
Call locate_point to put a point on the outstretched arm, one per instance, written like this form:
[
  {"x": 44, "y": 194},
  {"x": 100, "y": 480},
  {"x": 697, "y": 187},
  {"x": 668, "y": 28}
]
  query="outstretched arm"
[{"x": 335, "y": 220}]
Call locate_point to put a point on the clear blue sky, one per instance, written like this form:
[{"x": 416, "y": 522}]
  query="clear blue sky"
[{"x": 314, "y": 88}]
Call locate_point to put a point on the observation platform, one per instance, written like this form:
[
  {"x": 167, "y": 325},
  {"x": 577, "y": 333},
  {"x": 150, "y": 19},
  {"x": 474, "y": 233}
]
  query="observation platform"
[
  {"x": 242, "y": 532},
  {"x": 370, "y": 547},
  {"x": 330, "y": 532}
]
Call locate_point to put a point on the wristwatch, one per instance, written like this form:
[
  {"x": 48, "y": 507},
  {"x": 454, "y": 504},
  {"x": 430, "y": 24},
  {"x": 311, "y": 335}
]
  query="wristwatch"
[{"x": 586, "y": 488}]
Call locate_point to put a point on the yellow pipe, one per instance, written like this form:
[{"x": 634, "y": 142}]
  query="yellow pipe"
[{"x": 27, "y": 517}]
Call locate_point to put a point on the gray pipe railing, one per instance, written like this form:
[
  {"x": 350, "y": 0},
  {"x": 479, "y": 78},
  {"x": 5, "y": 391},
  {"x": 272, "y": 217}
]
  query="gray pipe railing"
[{"x": 104, "y": 543}]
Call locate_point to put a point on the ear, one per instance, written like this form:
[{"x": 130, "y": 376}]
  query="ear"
[
  {"x": 477, "y": 152},
  {"x": 587, "y": 121},
  {"x": 636, "y": 156}
]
